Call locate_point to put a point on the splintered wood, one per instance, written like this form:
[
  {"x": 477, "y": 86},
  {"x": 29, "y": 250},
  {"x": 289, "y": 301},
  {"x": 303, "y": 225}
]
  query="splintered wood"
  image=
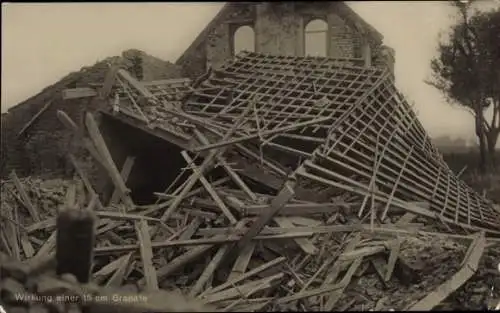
[{"x": 309, "y": 185}]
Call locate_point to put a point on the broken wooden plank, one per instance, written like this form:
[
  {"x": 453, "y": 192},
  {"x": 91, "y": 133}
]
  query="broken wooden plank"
[
  {"x": 107, "y": 225},
  {"x": 209, "y": 188},
  {"x": 125, "y": 172},
  {"x": 181, "y": 260},
  {"x": 305, "y": 244},
  {"x": 114, "y": 238},
  {"x": 309, "y": 293},
  {"x": 190, "y": 229},
  {"x": 100, "y": 145},
  {"x": 335, "y": 296},
  {"x": 406, "y": 218},
  {"x": 11, "y": 232},
  {"x": 380, "y": 269},
  {"x": 291, "y": 209},
  {"x": 337, "y": 266},
  {"x": 365, "y": 251},
  {"x": 313, "y": 230},
  {"x": 5, "y": 243},
  {"x": 76, "y": 93},
  {"x": 207, "y": 162},
  {"x": 68, "y": 122},
  {"x": 285, "y": 195},
  {"x": 241, "y": 263},
  {"x": 236, "y": 178},
  {"x": 142, "y": 230},
  {"x": 28, "y": 249},
  {"x": 35, "y": 117},
  {"x": 265, "y": 133},
  {"x": 48, "y": 223},
  {"x": 212, "y": 266},
  {"x": 393, "y": 257},
  {"x": 110, "y": 268},
  {"x": 219, "y": 239},
  {"x": 255, "y": 271},
  {"x": 47, "y": 247},
  {"x": 208, "y": 271},
  {"x": 85, "y": 180},
  {"x": 24, "y": 196},
  {"x": 120, "y": 272},
  {"x": 70, "y": 198},
  {"x": 304, "y": 221},
  {"x": 325, "y": 264},
  {"x": 243, "y": 305},
  {"x": 79, "y": 134},
  {"x": 380, "y": 304},
  {"x": 109, "y": 81},
  {"x": 135, "y": 83},
  {"x": 457, "y": 280},
  {"x": 125, "y": 216},
  {"x": 246, "y": 288}
]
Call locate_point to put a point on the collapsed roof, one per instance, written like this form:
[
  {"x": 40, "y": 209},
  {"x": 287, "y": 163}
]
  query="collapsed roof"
[
  {"x": 317, "y": 120},
  {"x": 286, "y": 159}
]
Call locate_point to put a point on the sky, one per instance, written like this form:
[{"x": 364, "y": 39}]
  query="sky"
[{"x": 42, "y": 42}]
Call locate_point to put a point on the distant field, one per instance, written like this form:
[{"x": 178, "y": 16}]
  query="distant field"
[
  {"x": 489, "y": 183},
  {"x": 456, "y": 160}
]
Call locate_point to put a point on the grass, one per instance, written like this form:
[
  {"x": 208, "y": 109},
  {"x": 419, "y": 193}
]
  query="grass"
[{"x": 487, "y": 184}]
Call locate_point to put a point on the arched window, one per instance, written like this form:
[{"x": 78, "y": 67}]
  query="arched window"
[
  {"x": 244, "y": 39},
  {"x": 316, "y": 38}
]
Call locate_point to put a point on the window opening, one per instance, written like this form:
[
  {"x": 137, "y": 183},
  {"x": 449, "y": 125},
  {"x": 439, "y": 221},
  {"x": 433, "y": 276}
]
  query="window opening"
[
  {"x": 316, "y": 38},
  {"x": 244, "y": 39}
]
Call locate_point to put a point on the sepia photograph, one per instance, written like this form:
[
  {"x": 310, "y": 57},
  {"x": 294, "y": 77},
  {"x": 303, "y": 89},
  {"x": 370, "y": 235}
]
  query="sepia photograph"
[{"x": 250, "y": 156}]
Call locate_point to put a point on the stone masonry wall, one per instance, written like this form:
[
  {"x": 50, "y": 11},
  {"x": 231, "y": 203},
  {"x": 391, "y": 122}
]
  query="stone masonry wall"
[
  {"x": 150, "y": 68},
  {"x": 279, "y": 29},
  {"x": 219, "y": 43},
  {"x": 195, "y": 62},
  {"x": 42, "y": 149}
]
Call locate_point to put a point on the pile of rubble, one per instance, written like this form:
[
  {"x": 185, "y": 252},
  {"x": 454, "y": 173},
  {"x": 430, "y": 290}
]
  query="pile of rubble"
[
  {"x": 310, "y": 262},
  {"x": 310, "y": 185}
]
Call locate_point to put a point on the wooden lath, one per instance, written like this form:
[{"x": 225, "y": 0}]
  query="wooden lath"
[
  {"x": 407, "y": 149},
  {"x": 329, "y": 114}
]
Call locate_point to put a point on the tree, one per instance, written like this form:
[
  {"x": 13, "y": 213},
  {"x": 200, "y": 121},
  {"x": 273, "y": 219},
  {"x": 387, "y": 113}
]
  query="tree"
[{"x": 467, "y": 72}]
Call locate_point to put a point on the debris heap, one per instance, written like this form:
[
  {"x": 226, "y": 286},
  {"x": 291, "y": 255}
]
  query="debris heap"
[{"x": 309, "y": 185}]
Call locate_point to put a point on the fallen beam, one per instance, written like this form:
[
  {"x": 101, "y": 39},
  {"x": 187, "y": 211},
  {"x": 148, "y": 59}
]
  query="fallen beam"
[{"x": 460, "y": 278}]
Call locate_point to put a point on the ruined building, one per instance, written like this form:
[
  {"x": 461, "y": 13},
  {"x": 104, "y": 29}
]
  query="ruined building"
[
  {"x": 320, "y": 119},
  {"x": 321, "y": 28},
  {"x": 293, "y": 176},
  {"x": 35, "y": 143},
  {"x": 290, "y": 28}
]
